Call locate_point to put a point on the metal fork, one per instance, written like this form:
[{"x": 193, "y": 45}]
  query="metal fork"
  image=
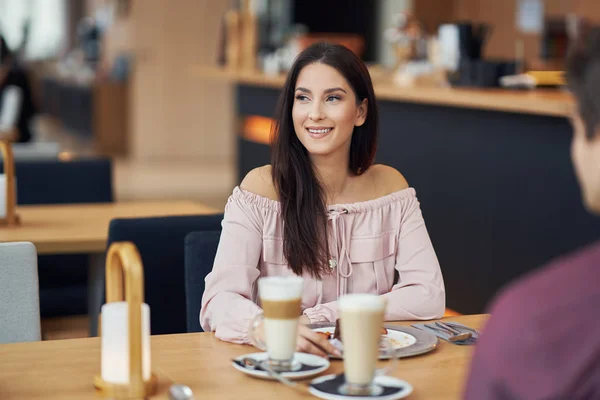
[
  {"x": 455, "y": 336},
  {"x": 462, "y": 328}
]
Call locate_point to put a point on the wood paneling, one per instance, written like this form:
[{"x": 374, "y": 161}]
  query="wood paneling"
[
  {"x": 434, "y": 12},
  {"x": 148, "y": 100},
  {"x": 502, "y": 16},
  {"x": 588, "y": 8},
  {"x": 175, "y": 115},
  {"x": 111, "y": 117}
]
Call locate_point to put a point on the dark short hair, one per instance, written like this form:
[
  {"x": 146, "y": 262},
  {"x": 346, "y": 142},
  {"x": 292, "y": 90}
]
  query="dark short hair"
[
  {"x": 5, "y": 53},
  {"x": 583, "y": 76}
]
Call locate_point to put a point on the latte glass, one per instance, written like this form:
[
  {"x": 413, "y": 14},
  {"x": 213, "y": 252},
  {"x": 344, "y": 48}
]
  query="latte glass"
[
  {"x": 280, "y": 299},
  {"x": 361, "y": 319}
]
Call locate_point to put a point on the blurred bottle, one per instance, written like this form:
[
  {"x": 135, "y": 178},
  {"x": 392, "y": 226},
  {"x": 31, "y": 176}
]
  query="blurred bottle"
[
  {"x": 232, "y": 22},
  {"x": 249, "y": 38}
]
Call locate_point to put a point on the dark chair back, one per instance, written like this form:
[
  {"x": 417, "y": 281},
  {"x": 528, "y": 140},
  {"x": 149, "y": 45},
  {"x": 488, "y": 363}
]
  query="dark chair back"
[
  {"x": 160, "y": 242},
  {"x": 200, "y": 250},
  {"x": 64, "y": 182},
  {"x": 63, "y": 277}
]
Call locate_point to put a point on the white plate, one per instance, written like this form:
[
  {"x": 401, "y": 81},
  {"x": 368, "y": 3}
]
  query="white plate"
[
  {"x": 399, "y": 339},
  {"x": 307, "y": 359},
  {"x": 404, "y": 389},
  {"x": 408, "y": 341}
]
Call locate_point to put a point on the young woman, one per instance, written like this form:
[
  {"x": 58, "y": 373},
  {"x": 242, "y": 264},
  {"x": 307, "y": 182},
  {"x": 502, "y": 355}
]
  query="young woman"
[{"x": 322, "y": 211}]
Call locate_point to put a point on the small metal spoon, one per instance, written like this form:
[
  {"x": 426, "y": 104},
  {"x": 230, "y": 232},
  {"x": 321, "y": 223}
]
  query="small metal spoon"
[
  {"x": 180, "y": 392},
  {"x": 251, "y": 363}
]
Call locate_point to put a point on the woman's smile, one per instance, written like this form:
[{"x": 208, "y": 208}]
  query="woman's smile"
[{"x": 318, "y": 132}]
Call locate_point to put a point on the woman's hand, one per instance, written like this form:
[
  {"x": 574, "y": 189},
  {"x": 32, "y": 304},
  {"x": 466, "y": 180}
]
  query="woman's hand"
[{"x": 314, "y": 343}]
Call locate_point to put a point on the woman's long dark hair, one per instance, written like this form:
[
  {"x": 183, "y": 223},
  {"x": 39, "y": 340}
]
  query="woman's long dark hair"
[{"x": 303, "y": 203}]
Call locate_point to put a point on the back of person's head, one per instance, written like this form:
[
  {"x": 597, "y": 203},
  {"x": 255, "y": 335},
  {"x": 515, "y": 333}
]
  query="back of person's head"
[
  {"x": 5, "y": 53},
  {"x": 583, "y": 77}
]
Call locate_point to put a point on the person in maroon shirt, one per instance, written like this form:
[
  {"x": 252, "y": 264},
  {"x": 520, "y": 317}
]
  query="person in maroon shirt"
[{"x": 543, "y": 338}]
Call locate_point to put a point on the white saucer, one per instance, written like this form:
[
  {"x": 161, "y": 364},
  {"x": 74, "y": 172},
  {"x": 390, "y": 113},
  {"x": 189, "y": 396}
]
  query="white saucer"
[
  {"x": 404, "y": 389},
  {"x": 320, "y": 364}
]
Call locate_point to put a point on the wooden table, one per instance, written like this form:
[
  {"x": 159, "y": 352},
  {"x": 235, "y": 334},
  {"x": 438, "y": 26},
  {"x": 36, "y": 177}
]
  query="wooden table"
[
  {"x": 64, "y": 369},
  {"x": 83, "y": 228}
]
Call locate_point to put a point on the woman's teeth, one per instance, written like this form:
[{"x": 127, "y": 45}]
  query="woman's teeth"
[{"x": 320, "y": 130}]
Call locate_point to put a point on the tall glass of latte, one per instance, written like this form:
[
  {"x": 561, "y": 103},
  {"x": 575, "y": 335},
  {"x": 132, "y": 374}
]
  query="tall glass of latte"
[
  {"x": 361, "y": 319},
  {"x": 280, "y": 299}
]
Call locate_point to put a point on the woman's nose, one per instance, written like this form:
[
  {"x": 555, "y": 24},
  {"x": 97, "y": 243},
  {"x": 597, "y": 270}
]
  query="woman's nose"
[{"x": 316, "y": 113}]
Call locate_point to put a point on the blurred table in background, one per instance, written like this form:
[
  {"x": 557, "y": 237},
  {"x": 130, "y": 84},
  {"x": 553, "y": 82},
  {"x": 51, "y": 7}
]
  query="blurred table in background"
[{"x": 83, "y": 228}]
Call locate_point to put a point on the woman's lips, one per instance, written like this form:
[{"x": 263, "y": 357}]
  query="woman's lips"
[{"x": 318, "y": 133}]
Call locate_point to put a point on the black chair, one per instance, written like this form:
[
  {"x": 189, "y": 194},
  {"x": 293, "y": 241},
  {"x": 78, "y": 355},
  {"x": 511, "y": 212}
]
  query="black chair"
[
  {"x": 63, "y": 277},
  {"x": 160, "y": 241},
  {"x": 200, "y": 250},
  {"x": 64, "y": 182}
]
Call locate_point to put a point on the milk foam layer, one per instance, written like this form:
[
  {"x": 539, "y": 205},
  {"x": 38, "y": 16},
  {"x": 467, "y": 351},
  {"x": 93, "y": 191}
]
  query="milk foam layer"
[
  {"x": 362, "y": 302},
  {"x": 280, "y": 288}
]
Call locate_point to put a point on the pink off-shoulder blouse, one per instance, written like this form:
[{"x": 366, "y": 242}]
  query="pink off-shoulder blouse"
[{"x": 368, "y": 241}]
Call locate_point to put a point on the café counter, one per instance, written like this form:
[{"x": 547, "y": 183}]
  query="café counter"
[{"x": 549, "y": 102}]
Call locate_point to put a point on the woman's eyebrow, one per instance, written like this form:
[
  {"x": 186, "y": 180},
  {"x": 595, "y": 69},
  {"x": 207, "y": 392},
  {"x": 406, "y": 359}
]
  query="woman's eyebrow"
[
  {"x": 330, "y": 90},
  {"x": 335, "y": 89}
]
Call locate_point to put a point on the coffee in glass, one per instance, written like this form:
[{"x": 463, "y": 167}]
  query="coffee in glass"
[
  {"x": 361, "y": 319},
  {"x": 280, "y": 299}
]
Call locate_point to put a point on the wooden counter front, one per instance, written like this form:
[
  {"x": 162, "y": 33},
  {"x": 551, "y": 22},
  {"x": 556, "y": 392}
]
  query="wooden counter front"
[{"x": 550, "y": 102}]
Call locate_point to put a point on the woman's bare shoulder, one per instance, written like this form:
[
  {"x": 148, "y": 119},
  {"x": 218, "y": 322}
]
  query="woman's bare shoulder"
[
  {"x": 387, "y": 179},
  {"x": 260, "y": 182}
]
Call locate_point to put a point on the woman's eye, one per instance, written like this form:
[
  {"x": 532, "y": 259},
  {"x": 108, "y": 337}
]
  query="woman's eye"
[
  {"x": 301, "y": 97},
  {"x": 333, "y": 98}
]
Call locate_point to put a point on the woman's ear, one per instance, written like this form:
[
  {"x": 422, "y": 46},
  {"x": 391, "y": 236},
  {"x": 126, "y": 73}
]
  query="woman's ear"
[{"x": 361, "y": 113}]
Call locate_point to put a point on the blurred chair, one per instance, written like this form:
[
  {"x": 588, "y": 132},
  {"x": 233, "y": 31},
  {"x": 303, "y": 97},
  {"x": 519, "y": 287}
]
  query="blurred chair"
[
  {"x": 19, "y": 296},
  {"x": 200, "y": 251},
  {"x": 86, "y": 180},
  {"x": 64, "y": 277},
  {"x": 34, "y": 151},
  {"x": 160, "y": 241}
]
